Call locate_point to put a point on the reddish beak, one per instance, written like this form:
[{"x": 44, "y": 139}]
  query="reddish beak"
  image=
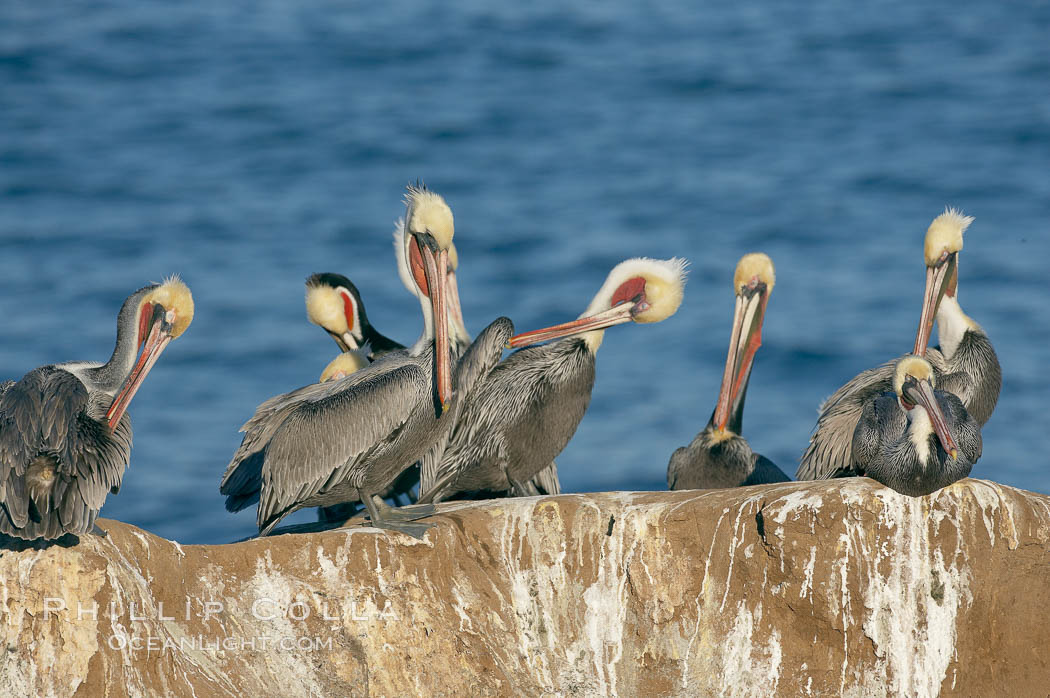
[
  {"x": 435, "y": 266},
  {"x": 749, "y": 311},
  {"x": 607, "y": 318},
  {"x": 922, "y": 395},
  {"x": 156, "y": 341},
  {"x": 937, "y": 279}
]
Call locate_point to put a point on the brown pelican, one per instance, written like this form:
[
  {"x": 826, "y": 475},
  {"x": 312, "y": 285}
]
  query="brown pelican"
[
  {"x": 349, "y": 439},
  {"x": 968, "y": 364},
  {"x": 965, "y": 364},
  {"x": 915, "y": 440},
  {"x": 65, "y": 437},
  {"x": 719, "y": 456},
  {"x": 528, "y": 408}
]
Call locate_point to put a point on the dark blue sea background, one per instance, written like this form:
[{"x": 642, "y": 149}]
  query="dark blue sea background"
[{"x": 245, "y": 145}]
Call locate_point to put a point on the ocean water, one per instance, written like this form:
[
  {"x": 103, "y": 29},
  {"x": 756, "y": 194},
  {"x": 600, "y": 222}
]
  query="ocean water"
[{"x": 245, "y": 145}]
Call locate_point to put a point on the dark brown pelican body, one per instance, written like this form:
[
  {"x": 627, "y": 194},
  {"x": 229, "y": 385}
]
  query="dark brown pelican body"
[
  {"x": 965, "y": 364},
  {"x": 709, "y": 463},
  {"x": 915, "y": 439},
  {"x": 58, "y": 457},
  {"x": 530, "y": 406},
  {"x": 65, "y": 436},
  {"x": 521, "y": 417},
  {"x": 972, "y": 374}
]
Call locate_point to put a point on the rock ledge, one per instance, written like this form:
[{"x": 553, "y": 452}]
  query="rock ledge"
[{"x": 833, "y": 588}]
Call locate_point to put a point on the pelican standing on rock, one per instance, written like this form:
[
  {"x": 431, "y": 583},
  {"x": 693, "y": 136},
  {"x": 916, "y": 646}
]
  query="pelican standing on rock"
[
  {"x": 719, "y": 456},
  {"x": 65, "y": 437},
  {"x": 334, "y": 304},
  {"x": 349, "y": 439},
  {"x": 915, "y": 440},
  {"x": 965, "y": 364},
  {"x": 529, "y": 407}
]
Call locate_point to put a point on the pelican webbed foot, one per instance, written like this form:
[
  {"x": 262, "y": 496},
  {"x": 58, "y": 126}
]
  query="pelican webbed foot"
[{"x": 382, "y": 515}]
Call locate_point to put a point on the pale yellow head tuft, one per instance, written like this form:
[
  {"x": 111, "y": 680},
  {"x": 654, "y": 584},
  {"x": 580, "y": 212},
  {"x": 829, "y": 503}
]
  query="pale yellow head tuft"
[
  {"x": 343, "y": 365},
  {"x": 752, "y": 269},
  {"x": 945, "y": 235},
  {"x": 428, "y": 213},
  {"x": 174, "y": 295},
  {"x": 664, "y": 286},
  {"x": 915, "y": 367},
  {"x": 664, "y": 289},
  {"x": 324, "y": 307}
]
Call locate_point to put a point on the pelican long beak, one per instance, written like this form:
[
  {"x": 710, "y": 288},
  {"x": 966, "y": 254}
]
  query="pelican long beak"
[
  {"x": 616, "y": 315},
  {"x": 921, "y": 393},
  {"x": 937, "y": 280},
  {"x": 744, "y": 341},
  {"x": 435, "y": 267},
  {"x": 156, "y": 341},
  {"x": 454, "y": 308}
]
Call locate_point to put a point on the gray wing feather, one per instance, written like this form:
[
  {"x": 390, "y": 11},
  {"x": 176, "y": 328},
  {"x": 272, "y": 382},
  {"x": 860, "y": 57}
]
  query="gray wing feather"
[
  {"x": 243, "y": 477},
  {"x": 520, "y": 420},
  {"x": 318, "y": 444},
  {"x": 474, "y": 371},
  {"x": 829, "y": 447}
]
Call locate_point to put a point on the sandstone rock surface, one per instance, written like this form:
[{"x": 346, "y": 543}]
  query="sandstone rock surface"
[{"x": 832, "y": 588}]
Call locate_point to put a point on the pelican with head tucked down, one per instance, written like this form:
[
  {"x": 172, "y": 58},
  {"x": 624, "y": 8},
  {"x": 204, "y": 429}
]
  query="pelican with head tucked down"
[
  {"x": 965, "y": 364},
  {"x": 334, "y": 304},
  {"x": 65, "y": 437},
  {"x": 719, "y": 456},
  {"x": 529, "y": 406},
  {"x": 349, "y": 439},
  {"x": 915, "y": 440}
]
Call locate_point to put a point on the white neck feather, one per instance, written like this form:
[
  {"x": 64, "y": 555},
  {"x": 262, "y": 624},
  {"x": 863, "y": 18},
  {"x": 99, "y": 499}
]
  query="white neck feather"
[
  {"x": 952, "y": 324},
  {"x": 919, "y": 429}
]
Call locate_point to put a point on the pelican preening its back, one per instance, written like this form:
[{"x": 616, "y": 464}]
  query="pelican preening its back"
[
  {"x": 65, "y": 437},
  {"x": 529, "y": 406},
  {"x": 719, "y": 456},
  {"x": 965, "y": 364},
  {"x": 916, "y": 439}
]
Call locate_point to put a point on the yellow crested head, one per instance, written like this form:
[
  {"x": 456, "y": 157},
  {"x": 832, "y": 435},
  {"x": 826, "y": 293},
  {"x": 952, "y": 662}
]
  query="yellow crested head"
[
  {"x": 343, "y": 365},
  {"x": 914, "y": 366},
  {"x": 428, "y": 213},
  {"x": 175, "y": 297},
  {"x": 754, "y": 269},
  {"x": 945, "y": 235},
  {"x": 325, "y": 308},
  {"x": 662, "y": 281}
]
